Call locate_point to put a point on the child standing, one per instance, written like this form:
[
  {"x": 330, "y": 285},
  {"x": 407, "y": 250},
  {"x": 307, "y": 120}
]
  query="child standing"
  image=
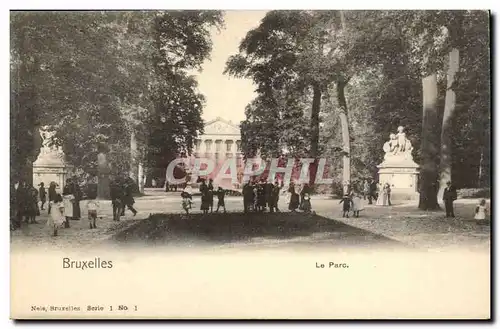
[
  {"x": 481, "y": 211},
  {"x": 92, "y": 207},
  {"x": 56, "y": 218},
  {"x": 346, "y": 207},
  {"x": 187, "y": 197},
  {"x": 220, "y": 196},
  {"x": 357, "y": 204}
]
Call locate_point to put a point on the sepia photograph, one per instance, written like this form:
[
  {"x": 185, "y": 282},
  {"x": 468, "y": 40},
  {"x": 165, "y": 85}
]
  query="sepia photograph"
[{"x": 250, "y": 164}]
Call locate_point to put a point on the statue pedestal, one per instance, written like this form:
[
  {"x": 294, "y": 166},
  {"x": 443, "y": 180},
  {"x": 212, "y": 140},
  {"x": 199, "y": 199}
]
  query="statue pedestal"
[{"x": 402, "y": 175}]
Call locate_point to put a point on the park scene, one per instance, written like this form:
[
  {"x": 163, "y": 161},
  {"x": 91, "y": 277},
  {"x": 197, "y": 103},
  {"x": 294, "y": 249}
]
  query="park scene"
[{"x": 237, "y": 129}]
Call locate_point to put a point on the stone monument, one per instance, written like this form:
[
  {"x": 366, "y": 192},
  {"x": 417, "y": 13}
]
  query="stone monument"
[
  {"x": 50, "y": 165},
  {"x": 398, "y": 168}
]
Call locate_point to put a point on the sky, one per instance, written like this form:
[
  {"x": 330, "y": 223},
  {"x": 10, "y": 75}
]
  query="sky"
[{"x": 226, "y": 97}]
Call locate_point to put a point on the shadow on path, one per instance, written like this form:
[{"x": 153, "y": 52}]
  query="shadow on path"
[{"x": 172, "y": 229}]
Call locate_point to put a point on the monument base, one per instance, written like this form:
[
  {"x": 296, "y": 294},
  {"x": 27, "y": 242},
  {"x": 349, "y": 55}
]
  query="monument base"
[{"x": 402, "y": 176}]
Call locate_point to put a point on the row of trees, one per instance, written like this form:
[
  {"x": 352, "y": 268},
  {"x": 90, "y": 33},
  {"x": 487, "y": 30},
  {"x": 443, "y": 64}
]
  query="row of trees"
[
  {"x": 113, "y": 87},
  {"x": 336, "y": 83}
]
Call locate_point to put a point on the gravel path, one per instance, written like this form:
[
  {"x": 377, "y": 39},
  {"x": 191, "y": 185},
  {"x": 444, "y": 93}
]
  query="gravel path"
[{"x": 403, "y": 223}]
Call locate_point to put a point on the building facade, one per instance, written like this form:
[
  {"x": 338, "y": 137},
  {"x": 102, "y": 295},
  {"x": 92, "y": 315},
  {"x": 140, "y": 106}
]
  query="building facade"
[{"x": 221, "y": 140}]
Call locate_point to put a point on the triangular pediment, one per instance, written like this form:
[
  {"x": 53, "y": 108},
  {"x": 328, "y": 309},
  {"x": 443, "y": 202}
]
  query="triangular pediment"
[{"x": 221, "y": 127}]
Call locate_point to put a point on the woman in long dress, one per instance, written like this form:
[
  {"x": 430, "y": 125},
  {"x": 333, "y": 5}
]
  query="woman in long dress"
[
  {"x": 204, "y": 198},
  {"x": 382, "y": 197},
  {"x": 294, "y": 198}
]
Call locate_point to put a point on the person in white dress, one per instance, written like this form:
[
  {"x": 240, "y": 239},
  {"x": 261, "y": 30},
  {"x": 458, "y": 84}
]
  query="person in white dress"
[
  {"x": 56, "y": 218},
  {"x": 481, "y": 210},
  {"x": 382, "y": 196},
  {"x": 357, "y": 204}
]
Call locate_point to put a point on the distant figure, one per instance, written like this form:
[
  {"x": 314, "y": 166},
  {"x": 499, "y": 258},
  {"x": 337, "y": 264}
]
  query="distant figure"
[
  {"x": 481, "y": 211},
  {"x": 205, "y": 198},
  {"x": 449, "y": 195},
  {"x": 68, "y": 199},
  {"x": 373, "y": 192},
  {"x": 306, "y": 203},
  {"x": 153, "y": 183},
  {"x": 366, "y": 191},
  {"x": 274, "y": 197},
  {"x": 52, "y": 194},
  {"x": 31, "y": 205},
  {"x": 387, "y": 188},
  {"x": 220, "y": 196},
  {"x": 357, "y": 204},
  {"x": 347, "y": 187},
  {"x": 21, "y": 200},
  {"x": 187, "y": 199},
  {"x": 261, "y": 196},
  {"x": 382, "y": 197},
  {"x": 294, "y": 198},
  {"x": 346, "y": 207},
  {"x": 128, "y": 197},
  {"x": 42, "y": 194},
  {"x": 56, "y": 218},
  {"x": 305, "y": 190},
  {"x": 77, "y": 193},
  {"x": 116, "y": 194},
  {"x": 92, "y": 208},
  {"x": 210, "y": 194},
  {"x": 247, "y": 196}
]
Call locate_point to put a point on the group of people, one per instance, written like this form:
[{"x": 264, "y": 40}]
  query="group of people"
[
  {"x": 259, "y": 195},
  {"x": 25, "y": 202},
  {"x": 61, "y": 208}
]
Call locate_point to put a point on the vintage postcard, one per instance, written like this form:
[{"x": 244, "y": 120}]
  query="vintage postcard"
[{"x": 278, "y": 164}]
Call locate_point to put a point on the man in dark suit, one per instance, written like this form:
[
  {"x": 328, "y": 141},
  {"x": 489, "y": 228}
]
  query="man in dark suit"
[{"x": 449, "y": 195}]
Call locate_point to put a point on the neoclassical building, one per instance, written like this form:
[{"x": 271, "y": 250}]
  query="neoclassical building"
[{"x": 221, "y": 140}]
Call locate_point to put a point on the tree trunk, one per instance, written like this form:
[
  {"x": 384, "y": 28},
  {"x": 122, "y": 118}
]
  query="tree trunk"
[
  {"x": 480, "y": 171},
  {"x": 447, "y": 129},
  {"x": 316, "y": 106},
  {"x": 430, "y": 146},
  {"x": 344, "y": 123},
  {"x": 133, "y": 158},
  {"x": 103, "y": 176},
  {"x": 140, "y": 177}
]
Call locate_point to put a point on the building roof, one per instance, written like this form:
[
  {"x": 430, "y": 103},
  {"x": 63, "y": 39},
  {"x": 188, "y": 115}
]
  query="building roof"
[{"x": 220, "y": 126}]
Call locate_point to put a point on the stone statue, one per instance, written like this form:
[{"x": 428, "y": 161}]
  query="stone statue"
[{"x": 398, "y": 146}]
